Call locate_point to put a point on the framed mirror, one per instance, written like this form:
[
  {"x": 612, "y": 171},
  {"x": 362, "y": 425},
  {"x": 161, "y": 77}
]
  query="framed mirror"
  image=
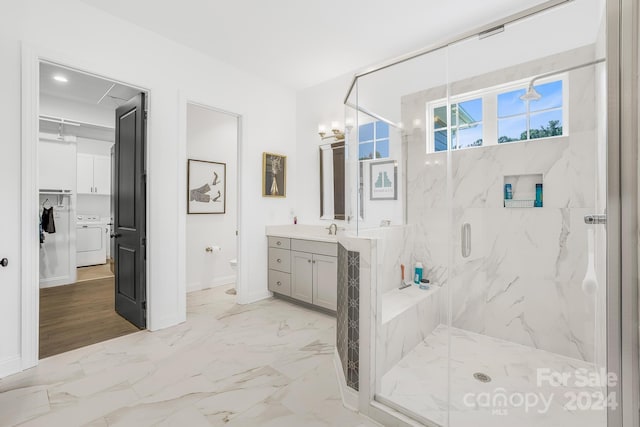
[{"x": 332, "y": 181}]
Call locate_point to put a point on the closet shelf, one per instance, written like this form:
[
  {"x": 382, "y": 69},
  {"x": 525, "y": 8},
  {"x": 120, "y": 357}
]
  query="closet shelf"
[{"x": 51, "y": 191}]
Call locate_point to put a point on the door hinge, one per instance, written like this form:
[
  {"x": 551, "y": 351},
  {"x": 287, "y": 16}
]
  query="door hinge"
[
  {"x": 146, "y": 115},
  {"x": 144, "y": 305}
]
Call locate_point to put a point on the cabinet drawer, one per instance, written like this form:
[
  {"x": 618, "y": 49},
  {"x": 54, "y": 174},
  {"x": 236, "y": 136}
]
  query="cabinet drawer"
[
  {"x": 279, "y": 242},
  {"x": 280, "y": 282},
  {"x": 313, "y": 247},
  {"x": 280, "y": 259}
]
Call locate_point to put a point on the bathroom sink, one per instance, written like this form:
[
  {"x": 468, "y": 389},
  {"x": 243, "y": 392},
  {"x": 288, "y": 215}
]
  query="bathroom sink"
[{"x": 305, "y": 232}]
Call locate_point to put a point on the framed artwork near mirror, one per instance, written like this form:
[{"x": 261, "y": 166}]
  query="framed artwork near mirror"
[
  {"x": 206, "y": 187},
  {"x": 384, "y": 180},
  {"x": 274, "y": 175}
]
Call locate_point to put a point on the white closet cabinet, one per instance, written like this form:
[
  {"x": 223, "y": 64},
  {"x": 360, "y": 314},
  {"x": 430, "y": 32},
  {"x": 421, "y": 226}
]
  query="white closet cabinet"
[
  {"x": 94, "y": 174},
  {"x": 56, "y": 165}
]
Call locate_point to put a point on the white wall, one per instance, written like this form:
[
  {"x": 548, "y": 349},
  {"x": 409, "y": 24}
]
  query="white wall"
[
  {"x": 75, "y": 110},
  {"x": 213, "y": 136},
  {"x": 75, "y": 34}
]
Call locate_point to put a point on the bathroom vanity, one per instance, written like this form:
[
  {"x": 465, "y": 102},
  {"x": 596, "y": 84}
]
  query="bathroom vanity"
[{"x": 303, "y": 265}]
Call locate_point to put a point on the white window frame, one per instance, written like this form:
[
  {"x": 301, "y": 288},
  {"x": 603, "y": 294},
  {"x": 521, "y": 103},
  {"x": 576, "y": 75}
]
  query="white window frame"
[
  {"x": 431, "y": 107},
  {"x": 489, "y": 121},
  {"x": 375, "y": 141}
]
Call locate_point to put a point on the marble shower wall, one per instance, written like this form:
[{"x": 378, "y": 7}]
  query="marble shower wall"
[{"x": 522, "y": 282}]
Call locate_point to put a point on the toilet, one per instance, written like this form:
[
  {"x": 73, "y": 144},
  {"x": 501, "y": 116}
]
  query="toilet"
[{"x": 234, "y": 266}]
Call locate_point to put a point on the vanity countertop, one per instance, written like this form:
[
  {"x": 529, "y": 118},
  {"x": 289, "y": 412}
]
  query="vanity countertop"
[{"x": 318, "y": 233}]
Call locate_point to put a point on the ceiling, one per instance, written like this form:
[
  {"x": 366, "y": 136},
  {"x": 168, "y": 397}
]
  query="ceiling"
[
  {"x": 302, "y": 43},
  {"x": 82, "y": 87},
  {"x": 86, "y": 91}
]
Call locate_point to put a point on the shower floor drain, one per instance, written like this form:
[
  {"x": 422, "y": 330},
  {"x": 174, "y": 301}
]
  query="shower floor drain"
[{"x": 483, "y": 378}]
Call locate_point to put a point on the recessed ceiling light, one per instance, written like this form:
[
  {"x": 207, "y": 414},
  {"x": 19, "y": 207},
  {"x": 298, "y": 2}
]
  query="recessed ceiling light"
[{"x": 61, "y": 79}]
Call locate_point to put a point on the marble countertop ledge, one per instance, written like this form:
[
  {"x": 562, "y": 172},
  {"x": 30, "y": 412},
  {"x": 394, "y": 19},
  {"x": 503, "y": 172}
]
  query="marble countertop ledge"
[
  {"x": 317, "y": 233},
  {"x": 396, "y": 301}
]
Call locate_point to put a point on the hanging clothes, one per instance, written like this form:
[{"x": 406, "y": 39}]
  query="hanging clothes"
[{"x": 48, "y": 224}]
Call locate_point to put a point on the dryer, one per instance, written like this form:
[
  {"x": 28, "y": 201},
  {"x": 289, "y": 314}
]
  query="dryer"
[{"x": 91, "y": 240}]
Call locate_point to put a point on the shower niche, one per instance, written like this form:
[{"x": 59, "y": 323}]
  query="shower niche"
[{"x": 523, "y": 191}]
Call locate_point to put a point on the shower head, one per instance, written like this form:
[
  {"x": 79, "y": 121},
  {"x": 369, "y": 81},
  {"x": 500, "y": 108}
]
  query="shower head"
[{"x": 531, "y": 94}]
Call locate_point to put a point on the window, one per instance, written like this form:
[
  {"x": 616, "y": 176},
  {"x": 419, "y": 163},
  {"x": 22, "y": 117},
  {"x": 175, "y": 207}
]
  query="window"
[
  {"x": 498, "y": 115},
  {"x": 373, "y": 141},
  {"x": 520, "y": 120},
  {"x": 465, "y": 125}
]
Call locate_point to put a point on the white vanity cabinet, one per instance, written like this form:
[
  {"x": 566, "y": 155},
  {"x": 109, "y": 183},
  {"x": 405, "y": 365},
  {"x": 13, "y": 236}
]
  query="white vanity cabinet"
[{"x": 305, "y": 270}]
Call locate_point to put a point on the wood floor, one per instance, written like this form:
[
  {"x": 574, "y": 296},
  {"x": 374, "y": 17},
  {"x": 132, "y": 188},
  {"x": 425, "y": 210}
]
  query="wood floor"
[
  {"x": 94, "y": 272},
  {"x": 77, "y": 315}
]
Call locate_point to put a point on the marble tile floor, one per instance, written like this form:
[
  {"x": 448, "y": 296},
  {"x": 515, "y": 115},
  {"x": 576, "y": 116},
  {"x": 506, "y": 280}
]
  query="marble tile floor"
[
  {"x": 418, "y": 385},
  {"x": 264, "y": 364}
]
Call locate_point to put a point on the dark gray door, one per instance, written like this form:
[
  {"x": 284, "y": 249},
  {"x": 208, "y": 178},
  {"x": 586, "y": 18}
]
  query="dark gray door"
[{"x": 129, "y": 203}]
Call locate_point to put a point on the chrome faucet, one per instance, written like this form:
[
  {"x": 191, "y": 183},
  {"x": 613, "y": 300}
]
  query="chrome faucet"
[{"x": 333, "y": 229}]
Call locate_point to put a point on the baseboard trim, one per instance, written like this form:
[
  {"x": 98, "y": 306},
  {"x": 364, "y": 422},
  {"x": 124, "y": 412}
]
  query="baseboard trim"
[
  {"x": 10, "y": 365},
  {"x": 52, "y": 283},
  {"x": 220, "y": 281},
  {"x": 165, "y": 322},
  {"x": 255, "y": 298}
]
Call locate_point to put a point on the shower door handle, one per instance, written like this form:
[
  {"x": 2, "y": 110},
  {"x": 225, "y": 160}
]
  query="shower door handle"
[
  {"x": 595, "y": 219},
  {"x": 465, "y": 236}
]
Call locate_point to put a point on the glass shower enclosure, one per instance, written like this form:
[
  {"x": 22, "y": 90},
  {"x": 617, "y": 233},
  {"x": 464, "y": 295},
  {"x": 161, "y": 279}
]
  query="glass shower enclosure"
[{"x": 485, "y": 161}]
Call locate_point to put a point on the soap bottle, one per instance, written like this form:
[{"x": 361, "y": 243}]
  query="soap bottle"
[
  {"x": 417, "y": 277},
  {"x": 508, "y": 192},
  {"x": 538, "y": 202}
]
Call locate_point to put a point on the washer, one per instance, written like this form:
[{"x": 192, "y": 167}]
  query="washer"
[{"x": 91, "y": 247}]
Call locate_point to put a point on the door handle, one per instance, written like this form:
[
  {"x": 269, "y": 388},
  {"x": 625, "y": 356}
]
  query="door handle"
[
  {"x": 115, "y": 235},
  {"x": 465, "y": 236},
  {"x": 4, "y": 262}
]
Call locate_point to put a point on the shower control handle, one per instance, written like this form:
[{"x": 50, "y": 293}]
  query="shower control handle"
[{"x": 465, "y": 237}]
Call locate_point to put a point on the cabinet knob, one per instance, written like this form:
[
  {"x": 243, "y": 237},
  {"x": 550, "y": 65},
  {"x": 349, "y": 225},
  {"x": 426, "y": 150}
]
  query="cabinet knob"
[
  {"x": 279, "y": 283},
  {"x": 4, "y": 262},
  {"x": 279, "y": 243},
  {"x": 314, "y": 261},
  {"x": 279, "y": 261},
  {"x": 309, "y": 261}
]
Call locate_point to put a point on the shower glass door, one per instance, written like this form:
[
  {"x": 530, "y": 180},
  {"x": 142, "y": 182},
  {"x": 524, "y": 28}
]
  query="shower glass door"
[{"x": 525, "y": 126}]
